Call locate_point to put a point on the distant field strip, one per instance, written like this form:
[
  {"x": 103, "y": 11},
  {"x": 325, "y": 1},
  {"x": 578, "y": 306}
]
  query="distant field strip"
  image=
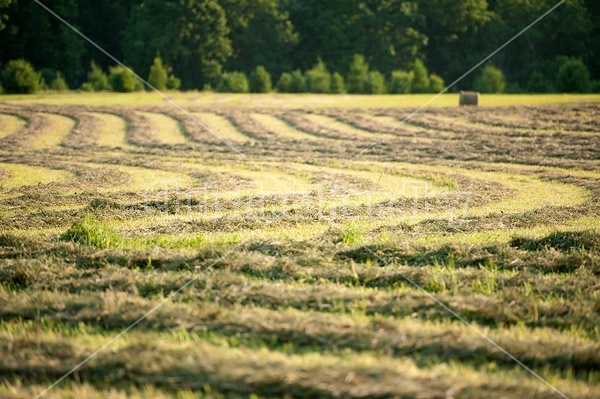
[
  {"x": 60, "y": 127},
  {"x": 305, "y": 251}
]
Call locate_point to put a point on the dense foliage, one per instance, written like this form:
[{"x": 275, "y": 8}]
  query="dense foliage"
[
  {"x": 20, "y": 77},
  {"x": 202, "y": 39}
]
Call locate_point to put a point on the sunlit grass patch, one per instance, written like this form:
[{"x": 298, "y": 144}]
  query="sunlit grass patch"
[
  {"x": 10, "y": 124},
  {"x": 25, "y": 175},
  {"x": 114, "y": 130},
  {"x": 221, "y": 127},
  {"x": 151, "y": 180},
  {"x": 165, "y": 129},
  {"x": 60, "y": 127}
]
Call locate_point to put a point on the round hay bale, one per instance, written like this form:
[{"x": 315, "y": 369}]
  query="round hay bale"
[{"x": 469, "y": 98}]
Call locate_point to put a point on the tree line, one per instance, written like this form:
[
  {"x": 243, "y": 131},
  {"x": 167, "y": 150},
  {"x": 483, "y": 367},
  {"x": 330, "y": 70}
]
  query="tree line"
[{"x": 354, "y": 46}]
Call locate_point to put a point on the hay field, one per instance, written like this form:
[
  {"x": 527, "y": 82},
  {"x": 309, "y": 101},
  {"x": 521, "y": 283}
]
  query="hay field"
[{"x": 317, "y": 257}]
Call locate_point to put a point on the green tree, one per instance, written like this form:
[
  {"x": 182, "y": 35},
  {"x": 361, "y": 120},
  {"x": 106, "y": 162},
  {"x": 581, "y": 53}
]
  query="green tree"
[
  {"x": 298, "y": 83},
  {"x": 44, "y": 41},
  {"x": 105, "y": 22},
  {"x": 260, "y": 80},
  {"x": 121, "y": 80},
  {"x": 573, "y": 77},
  {"x": 490, "y": 80},
  {"x": 385, "y": 32},
  {"x": 97, "y": 78},
  {"x": 337, "y": 83},
  {"x": 375, "y": 83},
  {"x": 401, "y": 82},
  {"x": 420, "y": 82},
  {"x": 3, "y": 16},
  {"x": 173, "y": 82},
  {"x": 359, "y": 74},
  {"x": 233, "y": 82},
  {"x": 449, "y": 26},
  {"x": 19, "y": 76},
  {"x": 158, "y": 74},
  {"x": 261, "y": 34},
  {"x": 538, "y": 83},
  {"x": 284, "y": 83},
  {"x": 436, "y": 83},
  {"x": 318, "y": 78},
  {"x": 294, "y": 82},
  {"x": 58, "y": 83},
  {"x": 191, "y": 35},
  {"x": 566, "y": 31}
]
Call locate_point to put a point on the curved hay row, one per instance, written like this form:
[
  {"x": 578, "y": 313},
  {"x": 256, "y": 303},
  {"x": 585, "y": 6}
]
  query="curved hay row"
[
  {"x": 580, "y": 119},
  {"x": 149, "y": 180},
  {"x": 139, "y": 128},
  {"x": 325, "y": 194},
  {"x": 263, "y": 179},
  {"x": 289, "y": 194},
  {"x": 298, "y": 121},
  {"x": 329, "y": 123},
  {"x": 113, "y": 133},
  {"x": 393, "y": 125},
  {"x": 164, "y": 129},
  {"x": 35, "y": 124},
  {"x": 460, "y": 124},
  {"x": 10, "y": 124},
  {"x": 349, "y": 179},
  {"x": 221, "y": 127},
  {"x": 60, "y": 127},
  {"x": 528, "y": 192},
  {"x": 20, "y": 175},
  {"x": 85, "y": 132},
  {"x": 251, "y": 127},
  {"x": 280, "y": 128}
]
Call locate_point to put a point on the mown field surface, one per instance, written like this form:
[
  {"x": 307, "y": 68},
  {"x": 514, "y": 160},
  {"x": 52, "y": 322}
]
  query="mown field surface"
[{"x": 315, "y": 253}]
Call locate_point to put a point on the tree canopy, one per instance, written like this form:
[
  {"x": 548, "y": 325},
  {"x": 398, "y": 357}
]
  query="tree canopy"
[{"x": 200, "y": 40}]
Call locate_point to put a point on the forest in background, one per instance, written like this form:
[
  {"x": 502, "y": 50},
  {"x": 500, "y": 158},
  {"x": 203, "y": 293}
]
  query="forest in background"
[{"x": 202, "y": 40}]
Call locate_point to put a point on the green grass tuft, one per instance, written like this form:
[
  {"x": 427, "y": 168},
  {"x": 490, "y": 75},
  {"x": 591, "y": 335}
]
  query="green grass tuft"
[{"x": 89, "y": 231}]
